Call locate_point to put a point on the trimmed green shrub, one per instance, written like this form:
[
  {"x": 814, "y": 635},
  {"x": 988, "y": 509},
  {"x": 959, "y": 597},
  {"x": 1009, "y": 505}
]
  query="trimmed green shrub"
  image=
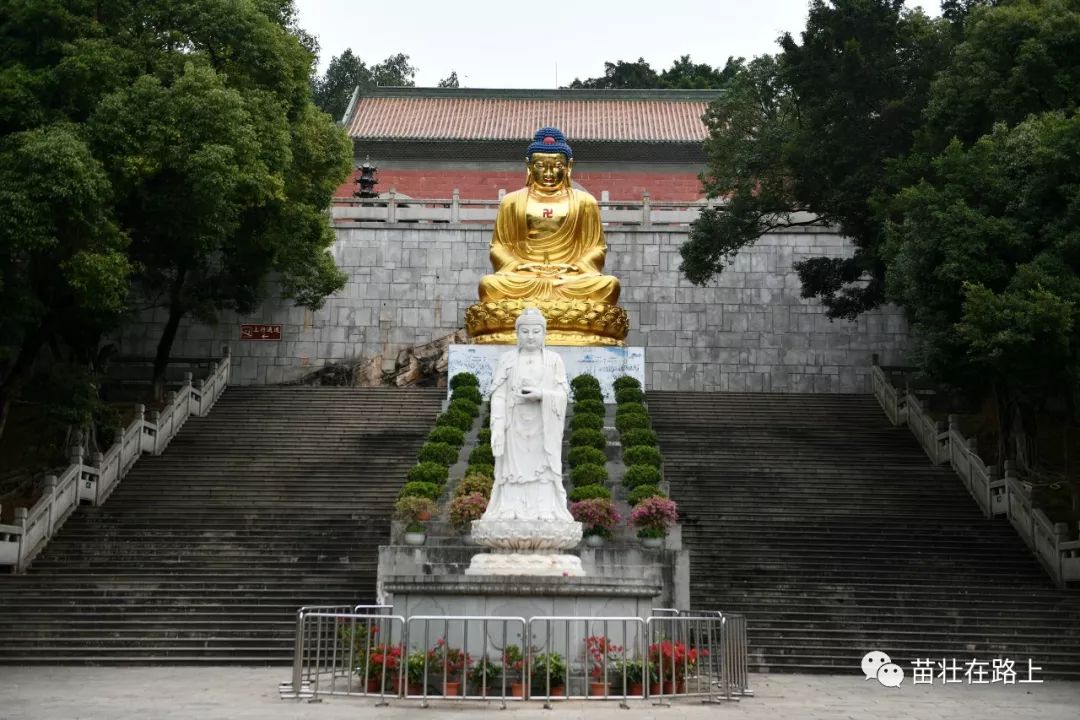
[
  {"x": 464, "y": 406},
  {"x": 631, "y": 422},
  {"x": 428, "y": 472},
  {"x": 631, "y": 408},
  {"x": 474, "y": 483},
  {"x": 453, "y": 418},
  {"x": 589, "y": 474},
  {"x": 468, "y": 392},
  {"x": 441, "y": 453},
  {"x": 588, "y": 394},
  {"x": 586, "y": 421},
  {"x": 627, "y": 395},
  {"x": 637, "y": 475},
  {"x": 447, "y": 434},
  {"x": 487, "y": 420},
  {"x": 585, "y": 454},
  {"x": 481, "y": 455},
  {"x": 583, "y": 381},
  {"x": 481, "y": 469},
  {"x": 431, "y": 491},
  {"x": 590, "y": 438},
  {"x": 464, "y": 379},
  {"x": 483, "y": 436},
  {"x": 642, "y": 455},
  {"x": 624, "y": 382},
  {"x": 589, "y": 407},
  {"x": 589, "y": 492},
  {"x": 641, "y": 492},
  {"x": 639, "y": 436}
]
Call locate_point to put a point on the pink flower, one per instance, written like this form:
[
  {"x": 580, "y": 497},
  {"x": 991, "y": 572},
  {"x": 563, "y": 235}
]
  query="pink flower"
[{"x": 655, "y": 513}]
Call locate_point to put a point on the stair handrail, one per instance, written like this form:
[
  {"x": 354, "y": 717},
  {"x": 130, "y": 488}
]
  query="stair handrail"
[
  {"x": 34, "y": 527},
  {"x": 996, "y": 496}
]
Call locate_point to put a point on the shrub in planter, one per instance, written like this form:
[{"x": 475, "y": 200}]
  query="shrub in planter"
[
  {"x": 431, "y": 491},
  {"x": 624, "y": 382},
  {"x": 631, "y": 408},
  {"x": 464, "y": 406},
  {"x": 641, "y": 475},
  {"x": 428, "y": 472},
  {"x": 468, "y": 393},
  {"x": 441, "y": 453},
  {"x": 585, "y": 454},
  {"x": 545, "y": 668},
  {"x": 454, "y": 418},
  {"x": 481, "y": 469},
  {"x": 589, "y": 474},
  {"x": 447, "y": 434},
  {"x": 588, "y": 395},
  {"x": 631, "y": 422},
  {"x": 642, "y": 455},
  {"x": 482, "y": 455},
  {"x": 474, "y": 483},
  {"x": 589, "y": 492},
  {"x": 627, "y": 395},
  {"x": 586, "y": 421},
  {"x": 483, "y": 436},
  {"x": 640, "y": 436},
  {"x": 654, "y": 517},
  {"x": 588, "y": 438},
  {"x": 589, "y": 407},
  {"x": 641, "y": 492},
  {"x": 466, "y": 508},
  {"x": 584, "y": 381},
  {"x": 598, "y": 516},
  {"x": 464, "y": 379},
  {"x": 413, "y": 509}
]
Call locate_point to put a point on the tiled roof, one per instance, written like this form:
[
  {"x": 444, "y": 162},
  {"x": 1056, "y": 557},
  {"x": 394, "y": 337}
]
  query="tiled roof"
[{"x": 655, "y": 116}]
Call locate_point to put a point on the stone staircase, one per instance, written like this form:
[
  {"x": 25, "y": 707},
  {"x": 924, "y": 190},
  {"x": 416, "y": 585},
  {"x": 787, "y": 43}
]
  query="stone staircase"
[
  {"x": 279, "y": 498},
  {"x": 835, "y": 535}
]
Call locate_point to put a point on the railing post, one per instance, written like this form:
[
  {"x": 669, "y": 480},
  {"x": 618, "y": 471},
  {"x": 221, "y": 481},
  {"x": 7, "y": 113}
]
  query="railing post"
[
  {"x": 391, "y": 206},
  {"x": 152, "y": 418},
  {"x": 646, "y": 210},
  {"x": 99, "y": 461},
  {"x": 455, "y": 207},
  {"x": 50, "y": 491},
  {"x": 20, "y": 520},
  {"x": 187, "y": 390}
]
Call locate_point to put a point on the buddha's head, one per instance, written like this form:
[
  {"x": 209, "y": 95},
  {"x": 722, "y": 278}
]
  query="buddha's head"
[
  {"x": 549, "y": 160},
  {"x": 531, "y": 328}
]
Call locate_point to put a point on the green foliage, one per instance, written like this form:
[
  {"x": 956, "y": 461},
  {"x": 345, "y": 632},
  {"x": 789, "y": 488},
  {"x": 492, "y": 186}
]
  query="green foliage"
[
  {"x": 481, "y": 455},
  {"x": 584, "y": 381},
  {"x": 464, "y": 406},
  {"x": 483, "y": 436},
  {"x": 585, "y": 421},
  {"x": 470, "y": 393},
  {"x": 589, "y": 492},
  {"x": 437, "y": 452},
  {"x": 683, "y": 74},
  {"x": 631, "y": 422},
  {"x": 481, "y": 469},
  {"x": 465, "y": 379},
  {"x": 427, "y": 490},
  {"x": 641, "y": 492},
  {"x": 632, "y": 438},
  {"x": 637, "y": 475},
  {"x": 625, "y": 381},
  {"x": 547, "y": 670},
  {"x": 455, "y": 418},
  {"x": 346, "y": 71},
  {"x": 630, "y": 395},
  {"x": 589, "y": 407},
  {"x": 588, "y": 474},
  {"x": 474, "y": 483},
  {"x": 588, "y": 394},
  {"x": 588, "y": 438},
  {"x": 447, "y": 434},
  {"x": 414, "y": 508},
  {"x": 585, "y": 454},
  {"x": 429, "y": 472},
  {"x": 642, "y": 455},
  {"x": 631, "y": 408}
]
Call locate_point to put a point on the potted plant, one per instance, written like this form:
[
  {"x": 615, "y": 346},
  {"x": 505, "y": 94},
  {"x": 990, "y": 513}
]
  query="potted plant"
[
  {"x": 547, "y": 675},
  {"x": 383, "y": 659},
  {"x": 416, "y": 669},
  {"x": 466, "y": 508},
  {"x": 514, "y": 665},
  {"x": 486, "y": 675},
  {"x": 414, "y": 511},
  {"x": 673, "y": 661},
  {"x": 599, "y": 518},
  {"x": 653, "y": 517},
  {"x": 629, "y": 676},
  {"x": 448, "y": 664},
  {"x": 602, "y": 654}
]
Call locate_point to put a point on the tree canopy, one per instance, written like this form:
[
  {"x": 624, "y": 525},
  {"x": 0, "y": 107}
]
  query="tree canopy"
[
  {"x": 683, "y": 73},
  {"x": 345, "y": 72}
]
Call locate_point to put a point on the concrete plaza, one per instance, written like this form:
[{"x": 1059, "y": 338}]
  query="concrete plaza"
[{"x": 228, "y": 693}]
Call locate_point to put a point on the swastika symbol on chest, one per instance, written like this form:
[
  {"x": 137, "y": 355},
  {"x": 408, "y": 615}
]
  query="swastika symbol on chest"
[{"x": 548, "y": 212}]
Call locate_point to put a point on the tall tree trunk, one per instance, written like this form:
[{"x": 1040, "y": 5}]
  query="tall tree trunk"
[{"x": 164, "y": 348}]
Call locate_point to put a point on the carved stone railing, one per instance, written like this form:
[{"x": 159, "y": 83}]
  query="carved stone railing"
[
  {"x": 996, "y": 496},
  {"x": 93, "y": 482},
  {"x": 393, "y": 208}
]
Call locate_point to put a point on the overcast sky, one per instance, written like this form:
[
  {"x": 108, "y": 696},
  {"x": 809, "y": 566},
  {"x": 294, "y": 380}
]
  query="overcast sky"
[{"x": 523, "y": 44}]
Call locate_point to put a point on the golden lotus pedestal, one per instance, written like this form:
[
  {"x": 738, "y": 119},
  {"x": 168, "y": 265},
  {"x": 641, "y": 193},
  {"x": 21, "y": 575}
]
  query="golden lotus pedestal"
[{"x": 569, "y": 322}]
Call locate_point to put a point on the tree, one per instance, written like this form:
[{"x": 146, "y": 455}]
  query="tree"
[
  {"x": 450, "y": 81},
  {"x": 683, "y": 74},
  {"x": 344, "y": 74},
  {"x": 623, "y": 74}
]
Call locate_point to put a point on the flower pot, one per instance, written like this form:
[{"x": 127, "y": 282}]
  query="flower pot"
[
  {"x": 652, "y": 543},
  {"x": 412, "y": 538},
  {"x": 674, "y": 687},
  {"x": 636, "y": 689},
  {"x": 451, "y": 689},
  {"x": 594, "y": 541},
  {"x": 517, "y": 689},
  {"x": 598, "y": 688},
  {"x": 423, "y": 516},
  {"x": 559, "y": 691},
  {"x": 415, "y": 688},
  {"x": 655, "y": 688}
]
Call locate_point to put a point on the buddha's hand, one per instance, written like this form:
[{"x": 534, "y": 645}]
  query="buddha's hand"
[
  {"x": 529, "y": 392},
  {"x": 568, "y": 267}
]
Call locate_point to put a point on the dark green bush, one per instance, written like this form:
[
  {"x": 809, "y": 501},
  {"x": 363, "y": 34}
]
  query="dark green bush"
[
  {"x": 631, "y": 408},
  {"x": 588, "y": 395},
  {"x": 637, "y": 475},
  {"x": 590, "y": 438},
  {"x": 584, "y": 381},
  {"x": 483, "y": 437},
  {"x": 481, "y": 469},
  {"x": 589, "y": 474},
  {"x": 481, "y": 455},
  {"x": 586, "y": 421},
  {"x": 589, "y": 407},
  {"x": 470, "y": 393},
  {"x": 585, "y": 454},
  {"x": 642, "y": 455},
  {"x": 643, "y": 492},
  {"x": 447, "y": 434},
  {"x": 437, "y": 452},
  {"x": 453, "y": 418},
  {"x": 628, "y": 395},
  {"x": 640, "y": 436},
  {"x": 624, "y": 382},
  {"x": 421, "y": 489},
  {"x": 464, "y": 406},
  {"x": 625, "y": 423},
  {"x": 589, "y": 492},
  {"x": 428, "y": 472},
  {"x": 474, "y": 483},
  {"x": 464, "y": 380}
]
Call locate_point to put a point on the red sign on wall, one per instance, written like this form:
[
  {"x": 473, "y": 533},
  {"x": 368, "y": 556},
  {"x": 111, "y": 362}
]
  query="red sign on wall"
[{"x": 260, "y": 332}]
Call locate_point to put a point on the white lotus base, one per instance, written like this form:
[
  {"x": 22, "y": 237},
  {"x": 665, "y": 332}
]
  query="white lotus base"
[
  {"x": 526, "y": 534},
  {"x": 525, "y": 564}
]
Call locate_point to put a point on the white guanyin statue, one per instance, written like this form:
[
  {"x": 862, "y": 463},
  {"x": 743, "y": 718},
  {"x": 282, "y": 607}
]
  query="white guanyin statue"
[{"x": 527, "y": 510}]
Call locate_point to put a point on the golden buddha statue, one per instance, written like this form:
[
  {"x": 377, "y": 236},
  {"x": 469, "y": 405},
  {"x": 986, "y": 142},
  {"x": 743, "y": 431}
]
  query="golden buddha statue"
[{"x": 548, "y": 251}]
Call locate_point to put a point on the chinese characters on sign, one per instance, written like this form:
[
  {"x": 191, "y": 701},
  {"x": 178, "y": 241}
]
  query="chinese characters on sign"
[
  {"x": 926, "y": 671},
  {"x": 260, "y": 332}
]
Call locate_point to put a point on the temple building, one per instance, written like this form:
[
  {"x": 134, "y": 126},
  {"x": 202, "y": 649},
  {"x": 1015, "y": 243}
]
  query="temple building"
[{"x": 426, "y": 142}]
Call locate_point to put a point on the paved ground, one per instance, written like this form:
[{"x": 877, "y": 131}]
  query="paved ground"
[{"x": 81, "y": 693}]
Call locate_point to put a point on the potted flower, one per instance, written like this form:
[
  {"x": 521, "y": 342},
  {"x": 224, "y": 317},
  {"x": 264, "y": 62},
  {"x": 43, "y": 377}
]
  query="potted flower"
[
  {"x": 629, "y": 675},
  {"x": 599, "y": 518},
  {"x": 486, "y": 676},
  {"x": 653, "y": 517},
  {"x": 602, "y": 654},
  {"x": 466, "y": 508},
  {"x": 448, "y": 664},
  {"x": 547, "y": 675},
  {"x": 416, "y": 671},
  {"x": 414, "y": 511},
  {"x": 514, "y": 665},
  {"x": 383, "y": 667},
  {"x": 673, "y": 661}
]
